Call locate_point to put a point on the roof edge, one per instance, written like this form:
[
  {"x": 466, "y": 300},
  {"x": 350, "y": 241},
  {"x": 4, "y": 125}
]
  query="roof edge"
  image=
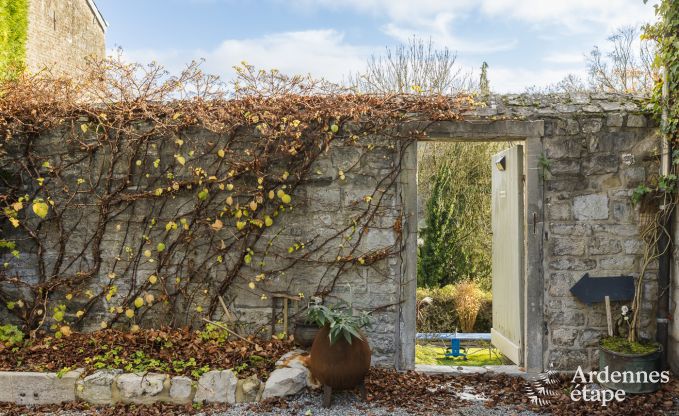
[{"x": 100, "y": 18}]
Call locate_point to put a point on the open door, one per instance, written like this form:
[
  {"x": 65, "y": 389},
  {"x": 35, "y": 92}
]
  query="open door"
[{"x": 507, "y": 218}]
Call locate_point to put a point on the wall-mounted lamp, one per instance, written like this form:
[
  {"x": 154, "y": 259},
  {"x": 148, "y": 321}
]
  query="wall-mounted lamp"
[{"x": 501, "y": 163}]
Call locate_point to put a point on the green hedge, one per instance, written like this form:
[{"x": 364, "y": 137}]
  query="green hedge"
[
  {"x": 440, "y": 315},
  {"x": 13, "y": 31}
]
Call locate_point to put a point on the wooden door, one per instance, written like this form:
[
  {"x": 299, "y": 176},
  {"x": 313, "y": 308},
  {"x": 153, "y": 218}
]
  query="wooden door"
[{"x": 507, "y": 217}]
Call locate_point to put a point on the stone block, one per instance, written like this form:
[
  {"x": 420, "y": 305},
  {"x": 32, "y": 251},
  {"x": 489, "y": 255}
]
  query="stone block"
[
  {"x": 559, "y": 211},
  {"x": 570, "y": 229},
  {"x": 294, "y": 358},
  {"x": 249, "y": 390},
  {"x": 633, "y": 246},
  {"x": 567, "y": 246},
  {"x": 181, "y": 390},
  {"x": 622, "y": 211},
  {"x": 568, "y": 360},
  {"x": 140, "y": 388},
  {"x": 572, "y": 263},
  {"x": 285, "y": 381},
  {"x": 566, "y": 317},
  {"x": 616, "y": 230},
  {"x": 564, "y": 167},
  {"x": 217, "y": 387},
  {"x": 622, "y": 263},
  {"x": 633, "y": 176},
  {"x": 592, "y": 125},
  {"x": 564, "y": 336},
  {"x": 634, "y": 120},
  {"x": 591, "y": 207},
  {"x": 590, "y": 337},
  {"x": 563, "y": 147},
  {"x": 28, "y": 388},
  {"x": 603, "y": 245},
  {"x": 600, "y": 164},
  {"x": 614, "y": 120},
  {"x": 560, "y": 283},
  {"x": 97, "y": 388}
]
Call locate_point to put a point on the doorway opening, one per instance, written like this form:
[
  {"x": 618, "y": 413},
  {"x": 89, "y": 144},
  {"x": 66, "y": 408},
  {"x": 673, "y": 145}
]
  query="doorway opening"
[
  {"x": 472, "y": 264},
  {"x": 470, "y": 239}
]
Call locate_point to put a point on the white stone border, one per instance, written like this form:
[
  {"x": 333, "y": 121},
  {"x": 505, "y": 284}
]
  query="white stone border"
[{"x": 106, "y": 387}]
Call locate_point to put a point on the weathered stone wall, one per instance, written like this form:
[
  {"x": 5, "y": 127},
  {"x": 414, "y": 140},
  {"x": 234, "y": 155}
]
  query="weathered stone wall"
[
  {"x": 61, "y": 34},
  {"x": 597, "y": 149},
  {"x": 327, "y": 207}
]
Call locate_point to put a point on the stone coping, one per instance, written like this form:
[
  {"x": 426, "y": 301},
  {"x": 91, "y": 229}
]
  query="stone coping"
[{"x": 106, "y": 387}]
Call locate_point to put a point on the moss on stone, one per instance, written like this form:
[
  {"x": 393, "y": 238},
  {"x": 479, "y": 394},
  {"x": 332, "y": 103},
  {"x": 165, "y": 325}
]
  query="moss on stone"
[{"x": 622, "y": 345}]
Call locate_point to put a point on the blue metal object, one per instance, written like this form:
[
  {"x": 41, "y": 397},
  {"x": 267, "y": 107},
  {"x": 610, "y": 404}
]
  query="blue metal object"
[{"x": 455, "y": 349}]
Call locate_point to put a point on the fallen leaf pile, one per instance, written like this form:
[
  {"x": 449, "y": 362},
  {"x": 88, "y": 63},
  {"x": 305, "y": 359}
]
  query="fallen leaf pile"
[
  {"x": 255, "y": 356},
  {"x": 433, "y": 394}
]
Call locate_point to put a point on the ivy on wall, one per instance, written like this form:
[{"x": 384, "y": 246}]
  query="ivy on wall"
[
  {"x": 665, "y": 32},
  {"x": 13, "y": 31},
  {"x": 155, "y": 201}
]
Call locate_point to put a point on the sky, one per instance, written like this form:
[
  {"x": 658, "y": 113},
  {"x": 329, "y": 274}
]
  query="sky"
[{"x": 525, "y": 42}]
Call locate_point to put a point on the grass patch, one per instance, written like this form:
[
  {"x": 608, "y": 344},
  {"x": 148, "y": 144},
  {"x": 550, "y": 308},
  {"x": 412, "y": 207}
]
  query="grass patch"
[
  {"x": 13, "y": 32},
  {"x": 476, "y": 357}
]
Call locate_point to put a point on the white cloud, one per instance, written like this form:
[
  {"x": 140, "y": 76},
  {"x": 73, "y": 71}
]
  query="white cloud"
[
  {"x": 322, "y": 53},
  {"x": 565, "y": 58},
  {"x": 576, "y": 15},
  {"x": 426, "y": 16},
  {"x": 440, "y": 34},
  {"x": 570, "y": 13},
  {"x": 516, "y": 80}
]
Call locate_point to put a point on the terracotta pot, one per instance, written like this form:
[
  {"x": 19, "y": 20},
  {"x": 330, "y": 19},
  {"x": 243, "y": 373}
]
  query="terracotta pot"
[
  {"x": 341, "y": 365},
  {"x": 305, "y": 333}
]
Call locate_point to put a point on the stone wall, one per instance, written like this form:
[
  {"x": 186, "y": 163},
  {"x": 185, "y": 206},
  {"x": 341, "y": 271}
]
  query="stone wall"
[
  {"x": 597, "y": 149},
  {"x": 61, "y": 34},
  {"x": 327, "y": 206}
]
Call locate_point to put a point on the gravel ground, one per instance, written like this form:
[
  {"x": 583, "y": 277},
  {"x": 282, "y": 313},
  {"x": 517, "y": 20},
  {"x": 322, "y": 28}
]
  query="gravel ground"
[
  {"x": 348, "y": 404},
  {"x": 343, "y": 404}
]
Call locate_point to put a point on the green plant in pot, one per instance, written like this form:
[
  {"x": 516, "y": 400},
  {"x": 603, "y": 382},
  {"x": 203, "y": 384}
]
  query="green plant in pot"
[
  {"x": 340, "y": 354},
  {"x": 625, "y": 351},
  {"x": 630, "y": 356}
]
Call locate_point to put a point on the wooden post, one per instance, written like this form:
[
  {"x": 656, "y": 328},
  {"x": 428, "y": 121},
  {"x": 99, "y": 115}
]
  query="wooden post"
[
  {"x": 286, "y": 299},
  {"x": 285, "y": 316},
  {"x": 609, "y": 318}
]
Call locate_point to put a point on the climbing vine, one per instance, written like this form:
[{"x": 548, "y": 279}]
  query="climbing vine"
[
  {"x": 658, "y": 199},
  {"x": 133, "y": 198}
]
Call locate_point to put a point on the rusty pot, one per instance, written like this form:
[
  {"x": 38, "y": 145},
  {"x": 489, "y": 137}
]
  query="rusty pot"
[{"x": 339, "y": 366}]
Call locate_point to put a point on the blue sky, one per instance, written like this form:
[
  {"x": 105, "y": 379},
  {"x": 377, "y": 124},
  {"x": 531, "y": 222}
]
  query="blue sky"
[{"x": 525, "y": 42}]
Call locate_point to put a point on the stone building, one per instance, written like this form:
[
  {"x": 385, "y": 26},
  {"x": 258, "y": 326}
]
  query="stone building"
[{"x": 61, "y": 33}]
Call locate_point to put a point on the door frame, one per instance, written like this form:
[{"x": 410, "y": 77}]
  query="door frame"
[{"x": 531, "y": 134}]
